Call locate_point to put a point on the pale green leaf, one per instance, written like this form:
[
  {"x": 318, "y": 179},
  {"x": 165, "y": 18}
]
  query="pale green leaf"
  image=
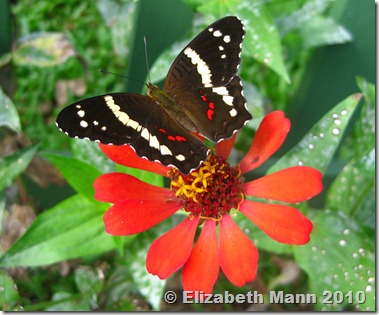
[
  {"x": 14, "y": 165},
  {"x": 353, "y": 185},
  {"x": 5, "y": 58},
  {"x": 9, "y": 295},
  {"x": 8, "y": 113},
  {"x": 67, "y": 302},
  {"x": 89, "y": 283},
  {"x": 43, "y": 49},
  {"x": 321, "y": 31},
  {"x": 3, "y": 198},
  {"x": 318, "y": 146},
  {"x": 364, "y": 129},
  {"x": 151, "y": 287},
  {"x": 90, "y": 153},
  {"x": 114, "y": 13},
  {"x": 297, "y": 19},
  {"x": 262, "y": 40},
  {"x": 339, "y": 257}
]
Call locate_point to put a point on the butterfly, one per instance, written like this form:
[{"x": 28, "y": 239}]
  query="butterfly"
[{"x": 202, "y": 94}]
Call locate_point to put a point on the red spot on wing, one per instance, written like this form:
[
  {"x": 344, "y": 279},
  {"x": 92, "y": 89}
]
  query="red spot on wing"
[
  {"x": 180, "y": 138},
  {"x": 211, "y": 105},
  {"x": 210, "y": 113},
  {"x": 203, "y": 97},
  {"x": 170, "y": 137},
  {"x": 176, "y": 138}
]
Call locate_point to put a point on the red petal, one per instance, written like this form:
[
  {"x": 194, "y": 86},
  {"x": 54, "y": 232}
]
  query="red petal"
[
  {"x": 270, "y": 135},
  {"x": 116, "y": 187},
  {"x": 125, "y": 155},
  {"x": 238, "y": 254},
  {"x": 170, "y": 251},
  {"x": 201, "y": 269},
  {"x": 294, "y": 184},
  {"x": 224, "y": 147},
  {"x": 134, "y": 216},
  {"x": 282, "y": 223}
]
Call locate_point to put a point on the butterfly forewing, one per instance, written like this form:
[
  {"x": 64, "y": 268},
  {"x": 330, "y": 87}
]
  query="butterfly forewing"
[
  {"x": 204, "y": 80},
  {"x": 116, "y": 119},
  {"x": 94, "y": 119}
]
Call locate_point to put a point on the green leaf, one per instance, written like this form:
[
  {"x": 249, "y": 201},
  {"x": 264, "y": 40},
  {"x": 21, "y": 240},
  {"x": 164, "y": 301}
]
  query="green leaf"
[
  {"x": 353, "y": 185},
  {"x": 151, "y": 287},
  {"x": 317, "y": 148},
  {"x": 43, "y": 49},
  {"x": 67, "y": 302},
  {"x": 5, "y": 58},
  {"x": 8, "y": 292},
  {"x": 255, "y": 104},
  {"x": 89, "y": 283},
  {"x": 120, "y": 291},
  {"x": 297, "y": 19},
  {"x": 339, "y": 257},
  {"x": 8, "y": 113},
  {"x": 113, "y": 13},
  {"x": 14, "y": 165},
  {"x": 321, "y": 31},
  {"x": 74, "y": 228},
  {"x": 280, "y": 8},
  {"x": 121, "y": 241},
  {"x": 90, "y": 153},
  {"x": 364, "y": 130},
  {"x": 3, "y": 198},
  {"x": 262, "y": 40},
  {"x": 79, "y": 174}
]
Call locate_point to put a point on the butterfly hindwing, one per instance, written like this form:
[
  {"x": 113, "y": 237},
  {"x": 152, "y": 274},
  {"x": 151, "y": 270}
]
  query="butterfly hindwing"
[{"x": 214, "y": 117}]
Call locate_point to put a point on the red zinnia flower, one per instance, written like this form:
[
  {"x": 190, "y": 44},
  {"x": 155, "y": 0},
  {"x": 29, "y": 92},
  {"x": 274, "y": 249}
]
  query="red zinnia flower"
[{"x": 208, "y": 195}]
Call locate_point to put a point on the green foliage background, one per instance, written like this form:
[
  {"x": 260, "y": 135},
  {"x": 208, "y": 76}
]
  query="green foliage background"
[{"x": 313, "y": 59}]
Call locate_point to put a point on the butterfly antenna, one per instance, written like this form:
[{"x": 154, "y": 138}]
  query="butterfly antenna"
[
  {"x": 121, "y": 75},
  {"x": 146, "y": 60}
]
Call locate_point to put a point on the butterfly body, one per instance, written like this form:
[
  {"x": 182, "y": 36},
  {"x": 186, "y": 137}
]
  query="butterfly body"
[
  {"x": 167, "y": 102},
  {"x": 202, "y": 94}
]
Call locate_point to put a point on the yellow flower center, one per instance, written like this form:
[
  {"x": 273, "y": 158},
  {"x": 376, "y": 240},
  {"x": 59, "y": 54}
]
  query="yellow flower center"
[{"x": 210, "y": 191}]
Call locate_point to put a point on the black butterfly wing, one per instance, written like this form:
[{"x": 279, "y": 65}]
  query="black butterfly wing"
[
  {"x": 205, "y": 83},
  {"x": 133, "y": 119}
]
